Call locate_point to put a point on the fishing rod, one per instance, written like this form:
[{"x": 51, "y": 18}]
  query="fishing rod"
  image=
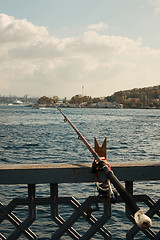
[{"x": 141, "y": 219}]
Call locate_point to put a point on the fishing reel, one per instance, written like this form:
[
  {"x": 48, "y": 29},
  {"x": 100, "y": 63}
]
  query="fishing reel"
[{"x": 106, "y": 191}]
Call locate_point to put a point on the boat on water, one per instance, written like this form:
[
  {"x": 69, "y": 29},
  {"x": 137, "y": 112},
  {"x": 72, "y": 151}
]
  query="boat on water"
[{"x": 17, "y": 102}]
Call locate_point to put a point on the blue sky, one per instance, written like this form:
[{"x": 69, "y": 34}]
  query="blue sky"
[{"x": 54, "y": 47}]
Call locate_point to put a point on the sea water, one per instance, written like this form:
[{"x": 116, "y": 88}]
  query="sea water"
[{"x": 37, "y": 136}]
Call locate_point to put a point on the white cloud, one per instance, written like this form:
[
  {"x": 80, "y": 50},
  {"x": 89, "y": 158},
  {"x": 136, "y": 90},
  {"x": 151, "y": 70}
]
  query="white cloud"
[
  {"x": 13, "y": 30},
  {"x": 155, "y": 4},
  {"x": 99, "y": 26},
  {"x": 34, "y": 62}
]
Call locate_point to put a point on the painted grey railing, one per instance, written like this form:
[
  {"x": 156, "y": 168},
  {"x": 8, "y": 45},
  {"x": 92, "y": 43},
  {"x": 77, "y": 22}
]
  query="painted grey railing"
[{"x": 33, "y": 175}]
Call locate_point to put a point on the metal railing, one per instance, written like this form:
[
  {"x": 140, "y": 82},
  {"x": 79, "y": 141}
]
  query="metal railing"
[{"x": 55, "y": 175}]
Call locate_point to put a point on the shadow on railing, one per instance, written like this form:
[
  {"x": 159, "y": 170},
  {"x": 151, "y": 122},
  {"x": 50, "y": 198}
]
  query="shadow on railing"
[{"x": 66, "y": 228}]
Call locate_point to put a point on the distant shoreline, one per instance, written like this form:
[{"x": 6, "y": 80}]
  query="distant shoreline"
[{"x": 45, "y": 106}]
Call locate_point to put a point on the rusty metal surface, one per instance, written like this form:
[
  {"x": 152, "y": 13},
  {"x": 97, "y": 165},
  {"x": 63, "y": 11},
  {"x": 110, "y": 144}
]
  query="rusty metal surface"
[{"x": 101, "y": 151}]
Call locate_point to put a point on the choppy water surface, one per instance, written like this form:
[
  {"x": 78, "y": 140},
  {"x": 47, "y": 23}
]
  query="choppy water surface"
[{"x": 40, "y": 136}]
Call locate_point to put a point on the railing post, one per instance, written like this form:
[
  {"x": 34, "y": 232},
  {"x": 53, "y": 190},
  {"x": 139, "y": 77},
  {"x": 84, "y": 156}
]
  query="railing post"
[
  {"x": 54, "y": 197},
  {"x": 31, "y": 197},
  {"x": 129, "y": 188}
]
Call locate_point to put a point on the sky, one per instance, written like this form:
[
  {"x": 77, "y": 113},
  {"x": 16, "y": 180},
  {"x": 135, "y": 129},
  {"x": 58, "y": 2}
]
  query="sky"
[{"x": 68, "y": 47}]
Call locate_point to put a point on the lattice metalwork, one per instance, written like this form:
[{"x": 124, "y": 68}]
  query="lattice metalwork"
[{"x": 22, "y": 228}]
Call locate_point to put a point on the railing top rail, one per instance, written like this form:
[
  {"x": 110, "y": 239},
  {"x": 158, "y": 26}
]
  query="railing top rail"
[{"x": 75, "y": 173}]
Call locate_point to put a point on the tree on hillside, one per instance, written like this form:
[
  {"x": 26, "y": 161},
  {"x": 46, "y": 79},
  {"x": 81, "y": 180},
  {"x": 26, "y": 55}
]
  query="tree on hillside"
[
  {"x": 55, "y": 99},
  {"x": 44, "y": 100},
  {"x": 137, "y": 97}
]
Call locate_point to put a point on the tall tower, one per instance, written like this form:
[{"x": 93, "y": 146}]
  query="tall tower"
[{"x": 82, "y": 90}]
